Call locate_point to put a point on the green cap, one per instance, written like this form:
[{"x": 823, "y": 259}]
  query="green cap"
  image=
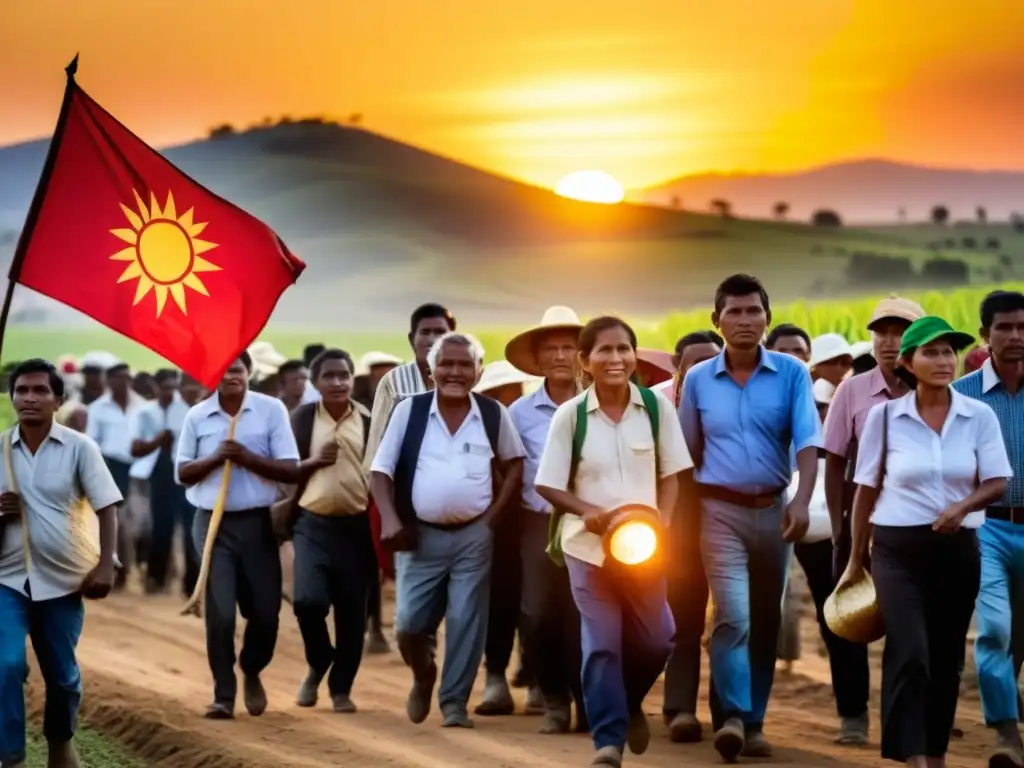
[{"x": 928, "y": 329}]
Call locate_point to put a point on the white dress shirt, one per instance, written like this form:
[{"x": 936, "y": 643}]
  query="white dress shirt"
[
  {"x": 113, "y": 427},
  {"x": 148, "y": 422},
  {"x": 453, "y": 475},
  {"x": 263, "y": 427},
  {"x": 926, "y": 472}
]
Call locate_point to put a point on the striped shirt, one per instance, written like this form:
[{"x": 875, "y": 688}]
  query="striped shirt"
[
  {"x": 397, "y": 384},
  {"x": 986, "y": 386}
]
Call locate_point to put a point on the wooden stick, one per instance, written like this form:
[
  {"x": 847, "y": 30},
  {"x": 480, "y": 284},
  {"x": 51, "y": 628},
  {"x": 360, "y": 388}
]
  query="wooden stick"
[{"x": 194, "y": 606}]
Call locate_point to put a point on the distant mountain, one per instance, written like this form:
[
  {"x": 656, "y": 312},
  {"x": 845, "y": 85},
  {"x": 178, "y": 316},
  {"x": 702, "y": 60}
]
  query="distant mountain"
[
  {"x": 862, "y": 192},
  {"x": 384, "y": 226}
]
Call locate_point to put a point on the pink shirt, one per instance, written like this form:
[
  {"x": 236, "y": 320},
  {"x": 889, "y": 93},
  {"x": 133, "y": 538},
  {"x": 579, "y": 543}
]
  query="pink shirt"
[{"x": 848, "y": 411}]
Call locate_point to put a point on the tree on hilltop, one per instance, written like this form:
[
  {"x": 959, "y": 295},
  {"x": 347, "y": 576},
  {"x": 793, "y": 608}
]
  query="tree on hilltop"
[
  {"x": 221, "y": 131},
  {"x": 780, "y": 210},
  {"x": 721, "y": 207},
  {"x": 826, "y": 218},
  {"x": 981, "y": 214},
  {"x": 940, "y": 215}
]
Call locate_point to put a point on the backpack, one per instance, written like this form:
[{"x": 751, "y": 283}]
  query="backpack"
[{"x": 579, "y": 435}]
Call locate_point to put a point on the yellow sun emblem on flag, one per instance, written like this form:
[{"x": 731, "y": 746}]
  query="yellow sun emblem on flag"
[{"x": 164, "y": 252}]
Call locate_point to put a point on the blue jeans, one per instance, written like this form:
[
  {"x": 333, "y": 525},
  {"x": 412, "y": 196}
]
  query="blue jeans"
[
  {"x": 448, "y": 577},
  {"x": 999, "y": 646},
  {"x": 747, "y": 564},
  {"x": 628, "y": 634},
  {"x": 54, "y": 627}
]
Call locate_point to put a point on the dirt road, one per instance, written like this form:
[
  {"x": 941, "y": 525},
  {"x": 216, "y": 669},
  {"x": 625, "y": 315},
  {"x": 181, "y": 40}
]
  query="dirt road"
[{"x": 147, "y": 683}]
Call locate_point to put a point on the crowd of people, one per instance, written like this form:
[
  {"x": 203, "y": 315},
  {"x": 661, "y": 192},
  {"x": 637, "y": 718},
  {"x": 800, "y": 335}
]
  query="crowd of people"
[{"x": 488, "y": 491}]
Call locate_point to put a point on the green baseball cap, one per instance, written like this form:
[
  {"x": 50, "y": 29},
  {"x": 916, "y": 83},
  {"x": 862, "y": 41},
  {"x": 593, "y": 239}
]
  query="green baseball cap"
[{"x": 930, "y": 328}]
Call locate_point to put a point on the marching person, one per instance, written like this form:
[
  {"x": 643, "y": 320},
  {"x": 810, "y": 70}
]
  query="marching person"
[
  {"x": 157, "y": 426},
  {"x": 831, "y": 362},
  {"x": 698, "y": 343},
  {"x": 927, "y": 466},
  {"x": 294, "y": 377},
  {"x": 449, "y": 464},
  {"x": 847, "y": 414},
  {"x": 550, "y": 628},
  {"x": 632, "y": 451},
  {"x": 742, "y": 413},
  {"x": 687, "y": 584},
  {"x": 245, "y": 570},
  {"x": 999, "y": 645},
  {"x": 501, "y": 381},
  {"x": 50, "y": 558},
  {"x": 110, "y": 422},
  {"x": 331, "y": 533}
]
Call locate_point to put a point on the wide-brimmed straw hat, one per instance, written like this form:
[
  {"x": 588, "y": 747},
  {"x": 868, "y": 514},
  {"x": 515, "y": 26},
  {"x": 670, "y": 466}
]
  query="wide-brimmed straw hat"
[
  {"x": 373, "y": 359},
  {"x": 852, "y": 612},
  {"x": 499, "y": 374},
  {"x": 520, "y": 350},
  {"x": 654, "y": 365}
]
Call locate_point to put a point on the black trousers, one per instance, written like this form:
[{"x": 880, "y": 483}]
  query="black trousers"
[
  {"x": 550, "y": 631},
  {"x": 332, "y": 570},
  {"x": 848, "y": 661},
  {"x": 927, "y": 583},
  {"x": 506, "y": 592},
  {"x": 245, "y": 575},
  {"x": 688, "y": 601},
  {"x": 373, "y": 594},
  {"x": 169, "y": 508}
]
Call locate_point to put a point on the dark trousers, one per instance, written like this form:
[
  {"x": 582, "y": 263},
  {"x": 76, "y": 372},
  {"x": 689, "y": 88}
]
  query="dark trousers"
[
  {"x": 119, "y": 471},
  {"x": 506, "y": 589},
  {"x": 373, "y": 594},
  {"x": 927, "y": 583},
  {"x": 245, "y": 575},
  {"x": 168, "y": 508},
  {"x": 848, "y": 661},
  {"x": 332, "y": 570},
  {"x": 688, "y": 600},
  {"x": 54, "y": 627},
  {"x": 550, "y": 629}
]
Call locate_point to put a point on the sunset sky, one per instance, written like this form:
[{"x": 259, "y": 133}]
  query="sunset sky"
[{"x": 644, "y": 89}]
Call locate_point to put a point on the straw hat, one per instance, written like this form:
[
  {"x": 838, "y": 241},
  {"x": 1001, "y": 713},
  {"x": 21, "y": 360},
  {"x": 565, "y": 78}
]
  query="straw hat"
[
  {"x": 373, "y": 359},
  {"x": 654, "y": 365},
  {"x": 500, "y": 373},
  {"x": 265, "y": 360},
  {"x": 851, "y": 611},
  {"x": 519, "y": 351}
]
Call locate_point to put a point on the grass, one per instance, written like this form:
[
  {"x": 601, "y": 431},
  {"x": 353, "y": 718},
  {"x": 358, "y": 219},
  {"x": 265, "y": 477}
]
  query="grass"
[{"x": 94, "y": 751}]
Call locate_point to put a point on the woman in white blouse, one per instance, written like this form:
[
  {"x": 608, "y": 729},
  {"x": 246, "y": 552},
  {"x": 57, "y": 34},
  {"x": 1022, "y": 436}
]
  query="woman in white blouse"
[{"x": 929, "y": 463}]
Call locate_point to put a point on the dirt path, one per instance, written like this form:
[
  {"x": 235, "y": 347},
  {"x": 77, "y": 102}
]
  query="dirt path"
[{"x": 147, "y": 683}]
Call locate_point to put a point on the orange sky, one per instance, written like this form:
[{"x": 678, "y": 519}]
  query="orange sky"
[{"x": 645, "y": 89}]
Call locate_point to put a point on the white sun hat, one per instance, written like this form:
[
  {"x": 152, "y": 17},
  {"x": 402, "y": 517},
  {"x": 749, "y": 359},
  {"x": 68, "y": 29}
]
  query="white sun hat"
[
  {"x": 829, "y": 346},
  {"x": 519, "y": 351},
  {"x": 499, "y": 374},
  {"x": 823, "y": 391},
  {"x": 102, "y": 361},
  {"x": 861, "y": 348},
  {"x": 373, "y": 359},
  {"x": 265, "y": 360}
]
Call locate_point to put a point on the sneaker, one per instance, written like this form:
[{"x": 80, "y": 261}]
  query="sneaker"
[
  {"x": 309, "y": 691},
  {"x": 417, "y": 705},
  {"x": 638, "y": 733},
  {"x": 534, "y": 701},
  {"x": 756, "y": 745},
  {"x": 608, "y": 757},
  {"x": 685, "y": 728},
  {"x": 219, "y": 710},
  {"x": 497, "y": 697},
  {"x": 254, "y": 695},
  {"x": 343, "y": 704},
  {"x": 456, "y": 717},
  {"x": 853, "y": 731},
  {"x": 730, "y": 739}
]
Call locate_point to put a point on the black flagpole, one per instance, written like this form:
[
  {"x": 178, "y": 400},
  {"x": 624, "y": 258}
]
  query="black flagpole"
[{"x": 37, "y": 199}]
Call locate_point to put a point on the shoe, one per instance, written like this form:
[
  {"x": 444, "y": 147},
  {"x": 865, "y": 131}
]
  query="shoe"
[
  {"x": 557, "y": 720},
  {"x": 417, "y": 706},
  {"x": 456, "y": 717},
  {"x": 853, "y": 731},
  {"x": 62, "y": 755},
  {"x": 219, "y": 711},
  {"x": 343, "y": 704},
  {"x": 608, "y": 757},
  {"x": 376, "y": 643},
  {"x": 730, "y": 739},
  {"x": 497, "y": 697},
  {"x": 534, "y": 701},
  {"x": 255, "y": 696},
  {"x": 685, "y": 728},
  {"x": 756, "y": 745},
  {"x": 638, "y": 733},
  {"x": 309, "y": 691}
]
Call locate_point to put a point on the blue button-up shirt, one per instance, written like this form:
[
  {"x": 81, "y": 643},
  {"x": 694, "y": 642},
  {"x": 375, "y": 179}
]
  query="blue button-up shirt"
[
  {"x": 532, "y": 416},
  {"x": 740, "y": 437},
  {"x": 986, "y": 386}
]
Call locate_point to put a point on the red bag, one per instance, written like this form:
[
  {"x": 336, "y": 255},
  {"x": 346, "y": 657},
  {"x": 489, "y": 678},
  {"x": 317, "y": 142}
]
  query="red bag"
[{"x": 384, "y": 557}]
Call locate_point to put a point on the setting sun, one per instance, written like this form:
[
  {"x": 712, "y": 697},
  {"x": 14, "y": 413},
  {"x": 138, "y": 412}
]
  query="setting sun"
[
  {"x": 164, "y": 252},
  {"x": 591, "y": 187}
]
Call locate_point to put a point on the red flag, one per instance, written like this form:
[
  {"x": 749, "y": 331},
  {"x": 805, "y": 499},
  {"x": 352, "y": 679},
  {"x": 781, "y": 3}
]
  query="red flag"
[{"x": 119, "y": 233}]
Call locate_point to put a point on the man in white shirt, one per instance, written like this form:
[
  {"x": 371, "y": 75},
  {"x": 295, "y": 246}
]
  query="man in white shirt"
[
  {"x": 439, "y": 496},
  {"x": 157, "y": 426},
  {"x": 245, "y": 569},
  {"x": 109, "y": 423}
]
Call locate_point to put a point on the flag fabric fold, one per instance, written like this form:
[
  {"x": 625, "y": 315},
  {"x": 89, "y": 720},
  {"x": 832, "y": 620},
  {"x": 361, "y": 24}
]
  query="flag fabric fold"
[{"x": 119, "y": 233}]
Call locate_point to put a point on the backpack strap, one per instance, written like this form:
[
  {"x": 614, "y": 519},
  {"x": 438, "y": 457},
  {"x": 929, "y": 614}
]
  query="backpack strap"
[
  {"x": 366, "y": 430},
  {"x": 409, "y": 454},
  {"x": 490, "y": 414},
  {"x": 579, "y": 435},
  {"x": 654, "y": 416}
]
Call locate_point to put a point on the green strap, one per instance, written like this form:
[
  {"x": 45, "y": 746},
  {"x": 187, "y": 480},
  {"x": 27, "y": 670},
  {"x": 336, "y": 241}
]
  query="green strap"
[{"x": 579, "y": 435}]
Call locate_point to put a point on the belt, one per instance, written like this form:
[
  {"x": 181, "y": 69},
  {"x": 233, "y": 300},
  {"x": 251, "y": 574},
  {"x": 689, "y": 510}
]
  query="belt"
[
  {"x": 747, "y": 500},
  {"x": 1006, "y": 514},
  {"x": 449, "y": 526},
  {"x": 249, "y": 511}
]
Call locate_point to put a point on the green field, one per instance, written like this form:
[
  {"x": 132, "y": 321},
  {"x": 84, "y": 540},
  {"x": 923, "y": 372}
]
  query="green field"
[
  {"x": 94, "y": 751},
  {"x": 848, "y": 317}
]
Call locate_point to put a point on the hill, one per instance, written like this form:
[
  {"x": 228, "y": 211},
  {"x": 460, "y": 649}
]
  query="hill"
[
  {"x": 384, "y": 226},
  {"x": 865, "y": 191}
]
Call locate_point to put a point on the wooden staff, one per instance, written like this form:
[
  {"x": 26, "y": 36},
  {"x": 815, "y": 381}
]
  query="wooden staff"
[{"x": 194, "y": 605}]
